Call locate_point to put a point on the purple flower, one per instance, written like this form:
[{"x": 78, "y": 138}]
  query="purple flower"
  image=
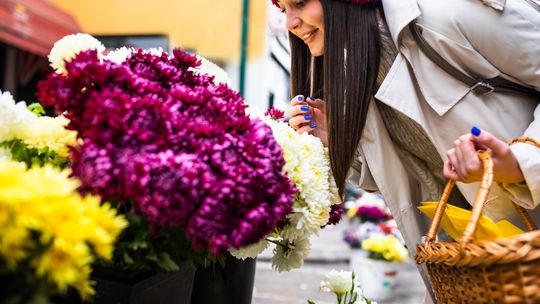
[
  {"x": 371, "y": 214},
  {"x": 274, "y": 113},
  {"x": 336, "y": 212},
  {"x": 179, "y": 147}
]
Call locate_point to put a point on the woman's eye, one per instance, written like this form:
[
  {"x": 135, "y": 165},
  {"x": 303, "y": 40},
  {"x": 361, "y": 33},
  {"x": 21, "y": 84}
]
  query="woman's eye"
[{"x": 300, "y": 3}]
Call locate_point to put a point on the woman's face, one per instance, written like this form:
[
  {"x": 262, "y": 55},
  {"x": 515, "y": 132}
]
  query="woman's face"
[{"x": 305, "y": 20}]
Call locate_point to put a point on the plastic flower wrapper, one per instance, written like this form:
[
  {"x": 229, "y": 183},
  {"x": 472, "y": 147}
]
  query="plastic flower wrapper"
[
  {"x": 345, "y": 286},
  {"x": 316, "y": 204},
  {"x": 31, "y": 138},
  {"x": 49, "y": 233},
  {"x": 172, "y": 149}
]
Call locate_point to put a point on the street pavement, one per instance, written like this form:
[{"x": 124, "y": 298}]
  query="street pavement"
[{"x": 328, "y": 252}]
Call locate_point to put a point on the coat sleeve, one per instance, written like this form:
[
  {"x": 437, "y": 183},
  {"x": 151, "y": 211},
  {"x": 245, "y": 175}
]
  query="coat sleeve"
[{"x": 516, "y": 28}]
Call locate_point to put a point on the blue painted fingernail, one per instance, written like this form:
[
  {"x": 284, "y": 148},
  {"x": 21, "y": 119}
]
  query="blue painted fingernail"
[
  {"x": 304, "y": 108},
  {"x": 300, "y": 98},
  {"x": 311, "y": 98},
  {"x": 475, "y": 131},
  {"x": 308, "y": 117},
  {"x": 312, "y": 126}
]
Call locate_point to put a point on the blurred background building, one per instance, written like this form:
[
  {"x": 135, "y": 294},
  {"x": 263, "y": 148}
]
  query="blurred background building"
[
  {"x": 211, "y": 28},
  {"x": 28, "y": 30}
]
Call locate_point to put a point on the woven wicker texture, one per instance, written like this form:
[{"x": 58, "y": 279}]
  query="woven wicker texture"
[{"x": 505, "y": 270}]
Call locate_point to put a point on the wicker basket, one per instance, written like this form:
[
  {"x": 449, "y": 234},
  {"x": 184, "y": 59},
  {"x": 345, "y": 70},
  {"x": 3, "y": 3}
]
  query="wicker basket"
[{"x": 505, "y": 270}]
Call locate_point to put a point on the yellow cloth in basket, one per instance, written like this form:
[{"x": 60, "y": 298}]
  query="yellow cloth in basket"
[{"x": 455, "y": 220}]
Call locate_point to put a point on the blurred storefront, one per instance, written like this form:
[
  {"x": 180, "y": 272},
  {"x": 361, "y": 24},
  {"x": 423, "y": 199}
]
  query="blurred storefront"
[
  {"x": 212, "y": 28},
  {"x": 28, "y": 30}
]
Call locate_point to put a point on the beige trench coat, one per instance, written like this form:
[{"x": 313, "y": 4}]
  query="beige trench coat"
[{"x": 479, "y": 40}]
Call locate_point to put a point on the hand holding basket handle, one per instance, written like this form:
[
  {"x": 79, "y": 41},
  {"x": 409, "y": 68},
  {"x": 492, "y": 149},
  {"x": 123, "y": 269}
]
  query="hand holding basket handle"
[{"x": 505, "y": 270}]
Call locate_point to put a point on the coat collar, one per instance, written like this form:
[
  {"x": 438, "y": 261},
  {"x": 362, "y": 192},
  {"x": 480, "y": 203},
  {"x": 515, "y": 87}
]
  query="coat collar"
[
  {"x": 495, "y": 4},
  {"x": 398, "y": 14}
]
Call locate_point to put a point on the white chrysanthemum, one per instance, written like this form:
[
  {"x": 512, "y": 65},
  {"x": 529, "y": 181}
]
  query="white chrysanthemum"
[
  {"x": 290, "y": 255},
  {"x": 308, "y": 166},
  {"x": 154, "y": 51},
  {"x": 209, "y": 68},
  {"x": 18, "y": 122},
  {"x": 250, "y": 251},
  {"x": 13, "y": 116},
  {"x": 306, "y": 221},
  {"x": 119, "y": 55},
  {"x": 48, "y": 132},
  {"x": 338, "y": 282},
  {"x": 65, "y": 49}
]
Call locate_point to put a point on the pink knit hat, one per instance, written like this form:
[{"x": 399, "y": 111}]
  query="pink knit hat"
[{"x": 275, "y": 2}]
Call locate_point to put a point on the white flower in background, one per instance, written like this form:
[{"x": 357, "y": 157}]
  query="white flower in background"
[
  {"x": 153, "y": 51},
  {"x": 250, "y": 251},
  {"x": 364, "y": 301},
  {"x": 209, "y": 68},
  {"x": 13, "y": 116},
  {"x": 119, "y": 55},
  {"x": 367, "y": 199},
  {"x": 65, "y": 49},
  {"x": 345, "y": 286},
  {"x": 338, "y": 282},
  {"x": 289, "y": 255}
]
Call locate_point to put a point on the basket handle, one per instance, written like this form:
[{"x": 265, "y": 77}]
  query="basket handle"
[{"x": 478, "y": 205}]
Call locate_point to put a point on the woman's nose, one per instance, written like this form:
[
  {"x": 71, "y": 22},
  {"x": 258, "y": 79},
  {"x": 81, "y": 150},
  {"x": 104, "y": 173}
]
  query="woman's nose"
[{"x": 293, "y": 21}]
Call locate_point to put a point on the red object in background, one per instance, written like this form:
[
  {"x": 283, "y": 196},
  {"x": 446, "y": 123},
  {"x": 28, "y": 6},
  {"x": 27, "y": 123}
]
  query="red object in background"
[{"x": 34, "y": 25}]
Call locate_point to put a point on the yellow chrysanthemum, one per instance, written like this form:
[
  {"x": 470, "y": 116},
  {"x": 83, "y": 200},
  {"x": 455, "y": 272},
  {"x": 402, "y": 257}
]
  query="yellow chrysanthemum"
[
  {"x": 13, "y": 242},
  {"x": 45, "y": 200},
  {"x": 63, "y": 262},
  {"x": 389, "y": 246}
]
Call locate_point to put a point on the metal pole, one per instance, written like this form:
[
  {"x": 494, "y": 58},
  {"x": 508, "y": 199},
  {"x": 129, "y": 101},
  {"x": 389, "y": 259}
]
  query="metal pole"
[{"x": 243, "y": 48}]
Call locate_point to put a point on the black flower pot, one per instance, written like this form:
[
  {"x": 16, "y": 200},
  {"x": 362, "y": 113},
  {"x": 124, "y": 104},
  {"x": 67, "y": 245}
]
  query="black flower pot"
[
  {"x": 144, "y": 287},
  {"x": 232, "y": 284},
  {"x": 138, "y": 287}
]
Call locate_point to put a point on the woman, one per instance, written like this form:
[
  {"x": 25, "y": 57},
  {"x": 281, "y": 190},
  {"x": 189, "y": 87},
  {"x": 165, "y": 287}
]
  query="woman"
[{"x": 402, "y": 123}]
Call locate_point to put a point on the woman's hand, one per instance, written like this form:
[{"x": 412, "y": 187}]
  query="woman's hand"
[
  {"x": 464, "y": 165},
  {"x": 309, "y": 115}
]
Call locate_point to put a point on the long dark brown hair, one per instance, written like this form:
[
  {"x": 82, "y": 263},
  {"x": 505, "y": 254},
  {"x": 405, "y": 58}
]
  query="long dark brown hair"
[{"x": 344, "y": 76}]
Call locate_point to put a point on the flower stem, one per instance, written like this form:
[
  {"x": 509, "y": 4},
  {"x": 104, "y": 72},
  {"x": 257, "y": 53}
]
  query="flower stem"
[{"x": 276, "y": 242}]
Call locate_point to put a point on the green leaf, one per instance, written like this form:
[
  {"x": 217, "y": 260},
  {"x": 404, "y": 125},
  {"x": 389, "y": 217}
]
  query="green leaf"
[
  {"x": 127, "y": 258},
  {"x": 33, "y": 156},
  {"x": 310, "y": 302},
  {"x": 167, "y": 263},
  {"x": 37, "y": 109}
]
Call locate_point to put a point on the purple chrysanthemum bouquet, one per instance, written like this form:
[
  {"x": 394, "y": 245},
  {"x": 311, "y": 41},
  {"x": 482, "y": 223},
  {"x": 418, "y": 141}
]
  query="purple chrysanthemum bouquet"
[{"x": 171, "y": 147}]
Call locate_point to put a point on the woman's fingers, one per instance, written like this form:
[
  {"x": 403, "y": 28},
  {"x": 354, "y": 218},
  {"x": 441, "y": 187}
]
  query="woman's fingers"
[
  {"x": 466, "y": 163},
  {"x": 301, "y": 109},
  {"x": 298, "y": 121},
  {"x": 454, "y": 164},
  {"x": 317, "y": 103},
  {"x": 307, "y": 127},
  {"x": 298, "y": 99},
  {"x": 449, "y": 171}
]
